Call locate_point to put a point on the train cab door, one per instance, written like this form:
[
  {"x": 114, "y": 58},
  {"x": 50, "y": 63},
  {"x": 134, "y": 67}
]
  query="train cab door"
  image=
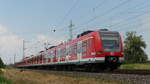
[{"x": 79, "y": 51}]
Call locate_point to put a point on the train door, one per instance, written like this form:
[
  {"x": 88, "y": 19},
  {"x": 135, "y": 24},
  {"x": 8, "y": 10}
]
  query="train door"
[
  {"x": 84, "y": 49},
  {"x": 74, "y": 52},
  {"x": 40, "y": 58},
  {"x": 79, "y": 50},
  {"x": 67, "y": 53},
  {"x": 91, "y": 49}
]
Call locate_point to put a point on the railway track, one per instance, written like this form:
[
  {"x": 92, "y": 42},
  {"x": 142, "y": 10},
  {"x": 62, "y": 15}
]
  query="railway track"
[
  {"x": 136, "y": 72},
  {"x": 127, "y": 76},
  {"x": 119, "y": 71}
]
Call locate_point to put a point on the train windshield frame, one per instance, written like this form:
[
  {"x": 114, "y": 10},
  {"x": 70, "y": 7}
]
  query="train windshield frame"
[{"x": 110, "y": 41}]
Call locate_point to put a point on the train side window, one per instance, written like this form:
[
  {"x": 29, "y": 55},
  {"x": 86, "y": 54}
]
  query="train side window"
[
  {"x": 70, "y": 51},
  {"x": 75, "y": 49},
  {"x": 34, "y": 59},
  {"x": 64, "y": 52},
  {"x": 60, "y": 53},
  {"x": 67, "y": 51},
  {"x": 53, "y": 54},
  {"x": 38, "y": 58},
  {"x": 57, "y": 53},
  {"x": 79, "y": 48},
  {"x": 48, "y": 55},
  {"x": 84, "y": 47}
]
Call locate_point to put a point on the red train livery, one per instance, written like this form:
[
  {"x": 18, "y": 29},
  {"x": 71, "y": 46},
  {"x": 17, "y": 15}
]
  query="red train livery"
[{"x": 100, "y": 49}]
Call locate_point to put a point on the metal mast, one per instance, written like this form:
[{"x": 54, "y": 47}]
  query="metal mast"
[
  {"x": 70, "y": 30},
  {"x": 23, "y": 49},
  {"x": 14, "y": 58}
]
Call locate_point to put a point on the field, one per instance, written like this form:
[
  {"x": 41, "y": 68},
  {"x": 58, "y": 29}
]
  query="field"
[
  {"x": 4, "y": 80},
  {"x": 27, "y": 77},
  {"x": 145, "y": 66}
]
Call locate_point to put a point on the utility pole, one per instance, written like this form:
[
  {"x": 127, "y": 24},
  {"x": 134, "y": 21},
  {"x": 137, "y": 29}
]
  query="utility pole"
[
  {"x": 14, "y": 58},
  {"x": 23, "y": 49},
  {"x": 70, "y": 30}
]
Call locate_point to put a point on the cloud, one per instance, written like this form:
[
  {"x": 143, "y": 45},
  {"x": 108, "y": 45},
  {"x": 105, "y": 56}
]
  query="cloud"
[
  {"x": 9, "y": 44},
  {"x": 40, "y": 42},
  {"x": 50, "y": 40},
  {"x": 145, "y": 21},
  {"x": 3, "y": 29}
]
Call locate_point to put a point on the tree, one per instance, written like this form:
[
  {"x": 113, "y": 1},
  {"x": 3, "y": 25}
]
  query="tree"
[
  {"x": 134, "y": 48},
  {"x": 1, "y": 63}
]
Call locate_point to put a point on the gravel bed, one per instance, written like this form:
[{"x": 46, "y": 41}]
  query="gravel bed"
[{"x": 127, "y": 78}]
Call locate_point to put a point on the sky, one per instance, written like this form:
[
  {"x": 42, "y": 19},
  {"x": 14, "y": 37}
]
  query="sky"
[{"x": 34, "y": 21}]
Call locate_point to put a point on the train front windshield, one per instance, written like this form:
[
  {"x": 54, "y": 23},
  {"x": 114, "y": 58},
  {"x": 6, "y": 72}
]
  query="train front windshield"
[{"x": 111, "y": 41}]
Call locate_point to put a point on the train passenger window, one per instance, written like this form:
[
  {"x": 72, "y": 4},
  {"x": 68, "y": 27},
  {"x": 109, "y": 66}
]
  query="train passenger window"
[
  {"x": 38, "y": 58},
  {"x": 75, "y": 49},
  {"x": 35, "y": 59},
  {"x": 57, "y": 53},
  {"x": 60, "y": 53},
  {"x": 70, "y": 51},
  {"x": 67, "y": 51},
  {"x": 84, "y": 47},
  {"x": 79, "y": 48},
  {"x": 64, "y": 52},
  {"x": 49, "y": 55}
]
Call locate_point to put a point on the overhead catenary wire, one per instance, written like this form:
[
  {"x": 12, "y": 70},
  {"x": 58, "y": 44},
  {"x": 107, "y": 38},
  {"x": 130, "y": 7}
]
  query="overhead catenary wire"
[
  {"x": 68, "y": 12},
  {"x": 126, "y": 11},
  {"x": 91, "y": 10},
  {"x": 130, "y": 18},
  {"x": 103, "y": 14},
  {"x": 136, "y": 6}
]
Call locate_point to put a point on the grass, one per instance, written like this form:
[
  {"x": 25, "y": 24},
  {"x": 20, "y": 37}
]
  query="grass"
[
  {"x": 3, "y": 80},
  {"x": 145, "y": 66},
  {"x": 28, "y": 77}
]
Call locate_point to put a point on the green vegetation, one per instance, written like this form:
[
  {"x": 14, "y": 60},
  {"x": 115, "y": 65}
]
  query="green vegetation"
[
  {"x": 1, "y": 63},
  {"x": 3, "y": 80},
  {"x": 145, "y": 66},
  {"x": 134, "y": 48}
]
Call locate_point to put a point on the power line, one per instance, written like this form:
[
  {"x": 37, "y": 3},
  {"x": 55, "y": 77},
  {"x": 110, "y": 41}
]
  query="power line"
[
  {"x": 107, "y": 12},
  {"x": 103, "y": 14},
  {"x": 125, "y": 11},
  {"x": 130, "y": 18},
  {"x": 136, "y": 6},
  {"x": 67, "y": 14},
  {"x": 100, "y": 4},
  {"x": 83, "y": 16}
]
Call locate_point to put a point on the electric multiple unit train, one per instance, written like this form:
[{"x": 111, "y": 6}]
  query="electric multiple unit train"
[{"x": 91, "y": 50}]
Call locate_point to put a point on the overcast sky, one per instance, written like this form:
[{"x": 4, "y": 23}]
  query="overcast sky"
[{"x": 35, "y": 20}]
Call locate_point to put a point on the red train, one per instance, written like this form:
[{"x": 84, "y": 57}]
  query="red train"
[{"x": 91, "y": 50}]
